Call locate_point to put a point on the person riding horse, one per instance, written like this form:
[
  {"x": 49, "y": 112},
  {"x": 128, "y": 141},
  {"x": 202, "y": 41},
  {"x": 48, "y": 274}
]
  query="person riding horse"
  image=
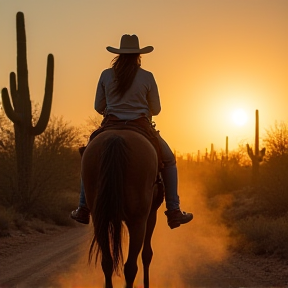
[{"x": 126, "y": 93}]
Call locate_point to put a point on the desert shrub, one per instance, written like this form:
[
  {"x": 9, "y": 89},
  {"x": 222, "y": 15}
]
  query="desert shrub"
[
  {"x": 264, "y": 235},
  {"x": 7, "y": 162},
  {"x": 6, "y": 133},
  {"x": 5, "y": 221},
  {"x": 273, "y": 186},
  {"x": 56, "y": 169},
  {"x": 215, "y": 177},
  {"x": 8, "y": 181},
  {"x": 234, "y": 175},
  {"x": 10, "y": 219},
  {"x": 273, "y": 182},
  {"x": 276, "y": 140},
  {"x": 57, "y": 210}
]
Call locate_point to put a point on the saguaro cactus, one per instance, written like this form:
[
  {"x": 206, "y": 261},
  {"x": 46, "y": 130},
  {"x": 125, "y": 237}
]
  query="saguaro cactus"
[
  {"x": 212, "y": 153},
  {"x": 226, "y": 149},
  {"x": 257, "y": 156},
  {"x": 21, "y": 112},
  {"x": 224, "y": 157}
]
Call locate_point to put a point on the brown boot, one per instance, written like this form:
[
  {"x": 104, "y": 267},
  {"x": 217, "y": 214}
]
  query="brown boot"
[
  {"x": 176, "y": 217},
  {"x": 81, "y": 214}
]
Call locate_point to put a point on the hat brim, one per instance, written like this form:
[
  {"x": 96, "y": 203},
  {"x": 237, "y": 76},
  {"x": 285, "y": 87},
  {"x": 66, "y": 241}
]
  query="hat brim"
[{"x": 144, "y": 50}]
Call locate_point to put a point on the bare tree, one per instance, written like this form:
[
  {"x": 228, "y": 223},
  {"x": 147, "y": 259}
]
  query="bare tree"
[{"x": 276, "y": 139}]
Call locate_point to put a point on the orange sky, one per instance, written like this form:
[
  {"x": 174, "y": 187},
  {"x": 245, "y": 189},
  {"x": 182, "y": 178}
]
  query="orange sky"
[{"x": 211, "y": 57}]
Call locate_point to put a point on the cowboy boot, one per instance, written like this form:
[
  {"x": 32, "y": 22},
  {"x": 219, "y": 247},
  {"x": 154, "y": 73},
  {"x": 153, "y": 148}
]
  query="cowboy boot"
[
  {"x": 81, "y": 214},
  {"x": 177, "y": 217}
]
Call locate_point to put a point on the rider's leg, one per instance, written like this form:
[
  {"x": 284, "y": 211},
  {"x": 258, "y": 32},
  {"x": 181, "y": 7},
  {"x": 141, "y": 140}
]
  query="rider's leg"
[
  {"x": 82, "y": 198},
  {"x": 170, "y": 178},
  {"x": 82, "y": 213}
]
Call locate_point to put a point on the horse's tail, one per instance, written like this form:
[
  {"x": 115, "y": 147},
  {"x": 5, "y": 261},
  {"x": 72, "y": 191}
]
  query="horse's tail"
[{"x": 107, "y": 212}]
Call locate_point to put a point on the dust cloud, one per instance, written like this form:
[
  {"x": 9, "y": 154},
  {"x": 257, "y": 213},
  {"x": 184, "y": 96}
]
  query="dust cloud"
[{"x": 180, "y": 256}]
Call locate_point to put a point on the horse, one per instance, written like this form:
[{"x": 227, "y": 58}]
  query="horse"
[{"x": 119, "y": 171}]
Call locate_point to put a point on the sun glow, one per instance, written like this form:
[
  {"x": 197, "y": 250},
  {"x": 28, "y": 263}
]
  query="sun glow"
[{"x": 239, "y": 117}]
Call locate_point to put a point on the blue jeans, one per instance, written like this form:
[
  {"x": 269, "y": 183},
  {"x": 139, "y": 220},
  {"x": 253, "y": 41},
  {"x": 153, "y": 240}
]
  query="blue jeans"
[
  {"x": 82, "y": 198},
  {"x": 169, "y": 176}
]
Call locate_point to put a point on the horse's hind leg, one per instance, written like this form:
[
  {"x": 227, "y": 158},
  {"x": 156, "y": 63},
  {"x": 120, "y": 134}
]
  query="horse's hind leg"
[
  {"x": 107, "y": 267},
  {"x": 147, "y": 252},
  {"x": 136, "y": 237}
]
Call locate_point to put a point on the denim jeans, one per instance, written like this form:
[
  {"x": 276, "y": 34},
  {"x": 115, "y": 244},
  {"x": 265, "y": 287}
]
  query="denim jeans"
[
  {"x": 82, "y": 198},
  {"x": 169, "y": 176}
]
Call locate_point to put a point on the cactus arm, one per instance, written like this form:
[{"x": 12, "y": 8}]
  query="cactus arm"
[
  {"x": 226, "y": 149},
  {"x": 47, "y": 102},
  {"x": 250, "y": 151},
  {"x": 11, "y": 114},
  {"x": 13, "y": 88}
]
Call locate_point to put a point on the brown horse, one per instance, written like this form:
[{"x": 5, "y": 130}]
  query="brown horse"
[{"x": 119, "y": 172}]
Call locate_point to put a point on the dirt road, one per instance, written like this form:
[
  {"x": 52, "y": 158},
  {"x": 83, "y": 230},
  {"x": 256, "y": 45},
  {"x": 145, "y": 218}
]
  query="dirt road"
[
  {"x": 59, "y": 260},
  {"x": 36, "y": 263}
]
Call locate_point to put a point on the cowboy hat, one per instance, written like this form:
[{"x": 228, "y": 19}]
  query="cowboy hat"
[{"x": 130, "y": 44}]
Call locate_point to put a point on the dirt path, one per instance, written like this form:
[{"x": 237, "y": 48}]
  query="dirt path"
[
  {"x": 40, "y": 258},
  {"x": 59, "y": 260}
]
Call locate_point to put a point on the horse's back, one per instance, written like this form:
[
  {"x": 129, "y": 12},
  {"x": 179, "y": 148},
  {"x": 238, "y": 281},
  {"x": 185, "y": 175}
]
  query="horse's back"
[{"x": 140, "y": 171}]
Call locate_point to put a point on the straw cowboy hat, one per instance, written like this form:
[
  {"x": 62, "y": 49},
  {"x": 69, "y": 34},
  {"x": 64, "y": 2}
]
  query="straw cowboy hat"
[{"x": 130, "y": 44}]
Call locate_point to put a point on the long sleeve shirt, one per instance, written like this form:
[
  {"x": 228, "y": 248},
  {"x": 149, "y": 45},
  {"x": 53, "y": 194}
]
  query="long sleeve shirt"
[{"x": 140, "y": 100}]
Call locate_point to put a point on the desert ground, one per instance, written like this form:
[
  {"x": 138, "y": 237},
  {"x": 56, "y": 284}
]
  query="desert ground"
[{"x": 58, "y": 259}]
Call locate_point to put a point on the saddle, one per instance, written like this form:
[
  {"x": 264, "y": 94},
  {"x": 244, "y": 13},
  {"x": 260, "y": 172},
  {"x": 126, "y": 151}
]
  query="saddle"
[{"x": 141, "y": 125}]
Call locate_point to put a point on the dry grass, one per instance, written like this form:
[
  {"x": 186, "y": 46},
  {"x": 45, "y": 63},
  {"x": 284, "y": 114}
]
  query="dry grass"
[
  {"x": 5, "y": 221},
  {"x": 264, "y": 235}
]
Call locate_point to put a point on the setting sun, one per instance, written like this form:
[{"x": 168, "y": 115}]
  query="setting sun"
[{"x": 239, "y": 117}]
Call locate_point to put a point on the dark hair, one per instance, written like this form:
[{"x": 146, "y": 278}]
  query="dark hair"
[{"x": 125, "y": 67}]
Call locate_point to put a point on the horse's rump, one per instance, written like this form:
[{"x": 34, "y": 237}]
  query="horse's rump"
[
  {"x": 140, "y": 168},
  {"x": 119, "y": 171}
]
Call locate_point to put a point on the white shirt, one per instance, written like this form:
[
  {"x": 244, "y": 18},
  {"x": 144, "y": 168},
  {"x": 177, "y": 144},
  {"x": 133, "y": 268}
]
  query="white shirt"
[{"x": 141, "y": 99}]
